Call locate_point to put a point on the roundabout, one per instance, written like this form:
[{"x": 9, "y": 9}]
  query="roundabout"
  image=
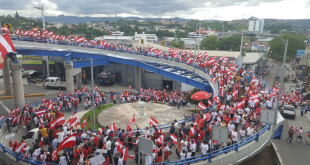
[{"x": 121, "y": 113}]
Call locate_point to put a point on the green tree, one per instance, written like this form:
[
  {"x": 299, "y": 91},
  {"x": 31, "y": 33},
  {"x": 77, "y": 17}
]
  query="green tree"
[
  {"x": 177, "y": 43},
  {"x": 209, "y": 43},
  {"x": 274, "y": 31},
  {"x": 230, "y": 43},
  {"x": 16, "y": 15},
  {"x": 277, "y": 46}
]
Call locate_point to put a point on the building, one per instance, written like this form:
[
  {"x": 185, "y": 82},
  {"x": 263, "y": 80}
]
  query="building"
[
  {"x": 118, "y": 33},
  {"x": 256, "y": 25},
  {"x": 203, "y": 33},
  {"x": 146, "y": 37}
]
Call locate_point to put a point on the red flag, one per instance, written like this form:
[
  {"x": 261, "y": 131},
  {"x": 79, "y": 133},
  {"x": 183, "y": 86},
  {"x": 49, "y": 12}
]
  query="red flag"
[
  {"x": 129, "y": 86},
  {"x": 67, "y": 142},
  {"x": 133, "y": 118},
  {"x": 202, "y": 106},
  {"x": 131, "y": 156},
  {"x": 125, "y": 154},
  {"x": 96, "y": 88},
  {"x": 192, "y": 132},
  {"x": 113, "y": 127},
  {"x": 174, "y": 139},
  {"x": 128, "y": 127},
  {"x": 77, "y": 92},
  {"x": 153, "y": 121},
  {"x": 84, "y": 88},
  {"x": 41, "y": 142},
  {"x": 6, "y": 46},
  {"x": 84, "y": 123}
]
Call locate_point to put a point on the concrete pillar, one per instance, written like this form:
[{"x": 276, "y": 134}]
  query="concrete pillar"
[
  {"x": 18, "y": 86},
  {"x": 137, "y": 78},
  {"x": 141, "y": 108},
  {"x": 79, "y": 80},
  {"x": 69, "y": 77},
  {"x": 58, "y": 67},
  {"x": 44, "y": 68},
  {"x": 6, "y": 77}
]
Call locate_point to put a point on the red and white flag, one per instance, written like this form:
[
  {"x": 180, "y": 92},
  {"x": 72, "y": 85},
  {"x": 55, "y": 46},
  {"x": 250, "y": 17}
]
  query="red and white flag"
[
  {"x": 132, "y": 156},
  {"x": 153, "y": 121},
  {"x": 129, "y": 86},
  {"x": 60, "y": 94},
  {"x": 213, "y": 80},
  {"x": 191, "y": 132},
  {"x": 67, "y": 142},
  {"x": 174, "y": 139},
  {"x": 77, "y": 92},
  {"x": 201, "y": 106},
  {"x": 6, "y": 46},
  {"x": 133, "y": 118},
  {"x": 221, "y": 91},
  {"x": 113, "y": 127},
  {"x": 96, "y": 88},
  {"x": 84, "y": 123},
  {"x": 84, "y": 88},
  {"x": 41, "y": 142}
]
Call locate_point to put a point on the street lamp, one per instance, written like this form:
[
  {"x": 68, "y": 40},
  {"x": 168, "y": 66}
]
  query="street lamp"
[
  {"x": 92, "y": 88},
  {"x": 281, "y": 80},
  {"x": 42, "y": 9}
]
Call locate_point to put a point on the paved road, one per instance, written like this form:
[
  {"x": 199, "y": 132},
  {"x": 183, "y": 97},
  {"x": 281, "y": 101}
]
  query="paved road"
[{"x": 295, "y": 152}]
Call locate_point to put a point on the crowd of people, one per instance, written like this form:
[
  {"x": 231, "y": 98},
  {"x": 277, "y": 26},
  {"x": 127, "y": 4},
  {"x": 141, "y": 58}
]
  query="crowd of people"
[{"x": 237, "y": 105}]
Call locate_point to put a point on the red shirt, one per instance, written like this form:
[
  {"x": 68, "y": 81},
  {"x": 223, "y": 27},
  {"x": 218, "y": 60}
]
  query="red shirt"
[
  {"x": 201, "y": 135},
  {"x": 257, "y": 110}
]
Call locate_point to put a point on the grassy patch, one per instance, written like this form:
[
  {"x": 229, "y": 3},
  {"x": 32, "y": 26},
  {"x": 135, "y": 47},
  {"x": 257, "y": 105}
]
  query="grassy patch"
[
  {"x": 38, "y": 62},
  {"x": 90, "y": 119}
]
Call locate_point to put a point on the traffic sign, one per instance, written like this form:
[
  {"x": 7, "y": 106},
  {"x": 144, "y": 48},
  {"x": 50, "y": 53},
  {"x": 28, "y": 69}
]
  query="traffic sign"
[
  {"x": 219, "y": 133},
  {"x": 267, "y": 116},
  {"x": 142, "y": 41},
  {"x": 8, "y": 25},
  {"x": 163, "y": 43}
]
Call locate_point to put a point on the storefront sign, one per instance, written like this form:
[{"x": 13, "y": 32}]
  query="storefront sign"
[{"x": 32, "y": 57}]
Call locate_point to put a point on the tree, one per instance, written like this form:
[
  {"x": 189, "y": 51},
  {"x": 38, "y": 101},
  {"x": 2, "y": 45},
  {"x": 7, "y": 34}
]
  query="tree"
[
  {"x": 230, "y": 43},
  {"x": 274, "y": 31},
  {"x": 177, "y": 43},
  {"x": 277, "y": 46},
  {"x": 16, "y": 15},
  {"x": 209, "y": 43}
]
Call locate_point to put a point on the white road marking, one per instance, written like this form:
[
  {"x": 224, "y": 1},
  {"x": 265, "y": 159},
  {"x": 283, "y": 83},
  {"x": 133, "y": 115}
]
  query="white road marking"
[{"x": 5, "y": 107}]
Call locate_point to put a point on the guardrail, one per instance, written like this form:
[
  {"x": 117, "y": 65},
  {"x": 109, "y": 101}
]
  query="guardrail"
[{"x": 197, "y": 158}]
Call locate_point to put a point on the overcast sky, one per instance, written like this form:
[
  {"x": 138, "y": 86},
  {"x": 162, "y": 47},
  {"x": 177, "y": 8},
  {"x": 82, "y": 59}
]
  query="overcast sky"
[{"x": 189, "y": 9}]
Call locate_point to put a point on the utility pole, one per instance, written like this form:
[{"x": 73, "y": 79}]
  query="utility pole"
[
  {"x": 199, "y": 38},
  {"x": 196, "y": 39},
  {"x": 281, "y": 83},
  {"x": 42, "y": 9},
  {"x": 116, "y": 31},
  {"x": 92, "y": 88},
  {"x": 241, "y": 56}
]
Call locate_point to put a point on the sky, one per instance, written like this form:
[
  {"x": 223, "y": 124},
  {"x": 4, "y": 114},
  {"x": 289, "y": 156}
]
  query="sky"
[{"x": 188, "y": 9}]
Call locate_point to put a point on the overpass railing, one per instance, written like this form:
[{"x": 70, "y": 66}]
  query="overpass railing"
[{"x": 197, "y": 158}]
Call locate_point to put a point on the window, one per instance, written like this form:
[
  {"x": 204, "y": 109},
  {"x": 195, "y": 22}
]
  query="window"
[
  {"x": 52, "y": 81},
  {"x": 29, "y": 135}
]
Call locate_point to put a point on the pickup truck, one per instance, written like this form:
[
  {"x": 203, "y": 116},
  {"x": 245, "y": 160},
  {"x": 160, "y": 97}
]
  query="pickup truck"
[
  {"x": 289, "y": 110},
  {"x": 54, "y": 82}
]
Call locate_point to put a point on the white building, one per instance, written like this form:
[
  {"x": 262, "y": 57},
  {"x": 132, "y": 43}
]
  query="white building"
[
  {"x": 146, "y": 37},
  {"x": 203, "y": 33},
  {"x": 118, "y": 33},
  {"x": 256, "y": 25}
]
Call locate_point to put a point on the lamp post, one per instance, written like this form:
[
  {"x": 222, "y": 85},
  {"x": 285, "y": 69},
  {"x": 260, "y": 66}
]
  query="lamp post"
[
  {"x": 281, "y": 81},
  {"x": 92, "y": 88},
  {"x": 42, "y": 9}
]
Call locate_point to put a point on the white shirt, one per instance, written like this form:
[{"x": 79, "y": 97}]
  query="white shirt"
[
  {"x": 229, "y": 97},
  {"x": 243, "y": 120},
  {"x": 204, "y": 148},
  {"x": 108, "y": 145},
  {"x": 189, "y": 155},
  {"x": 184, "y": 147},
  {"x": 166, "y": 148},
  {"x": 237, "y": 119},
  {"x": 250, "y": 131},
  {"x": 182, "y": 156},
  {"x": 120, "y": 161},
  {"x": 269, "y": 103},
  {"x": 242, "y": 132},
  {"x": 248, "y": 111},
  {"x": 230, "y": 127},
  {"x": 235, "y": 136},
  {"x": 60, "y": 136},
  {"x": 148, "y": 160},
  {"x": 192, "y": 147},
  {"x": 252, "y": 103},
  {"x": 213, "y": 114}
]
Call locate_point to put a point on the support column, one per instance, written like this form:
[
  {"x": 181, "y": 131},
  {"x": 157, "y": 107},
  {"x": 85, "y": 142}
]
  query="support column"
[
  {"x": 44, "y": 68},
  {"x": 6, "y": 77},
  {"x": 137, "y": 78},
  {"x": 18, "y": 86},
  {"x": 79, "y": 80},
  {"x": 69, "y": 77}
]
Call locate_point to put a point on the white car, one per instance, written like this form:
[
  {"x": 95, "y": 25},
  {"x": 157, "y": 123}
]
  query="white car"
[{"x": 289, "y": 110}]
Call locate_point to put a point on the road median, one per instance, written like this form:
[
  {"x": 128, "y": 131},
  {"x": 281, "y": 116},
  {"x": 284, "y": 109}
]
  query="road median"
[{"x": 28, "y": 95}]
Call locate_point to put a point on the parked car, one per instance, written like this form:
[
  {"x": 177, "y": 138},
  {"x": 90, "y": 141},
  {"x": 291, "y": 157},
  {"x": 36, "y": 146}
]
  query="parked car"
[
  {"x": 34, "y": 74},
  {"x": 25, "y": 72},
  {"x": 289, "y": 111}
]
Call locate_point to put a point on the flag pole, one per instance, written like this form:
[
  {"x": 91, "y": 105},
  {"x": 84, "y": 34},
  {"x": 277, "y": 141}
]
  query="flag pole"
[{"x": 0, "y": 27}]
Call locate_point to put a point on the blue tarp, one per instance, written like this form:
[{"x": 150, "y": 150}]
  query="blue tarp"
[
  {"x": 278, "y": 133},
  {"x": 299, "y": 53}
]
